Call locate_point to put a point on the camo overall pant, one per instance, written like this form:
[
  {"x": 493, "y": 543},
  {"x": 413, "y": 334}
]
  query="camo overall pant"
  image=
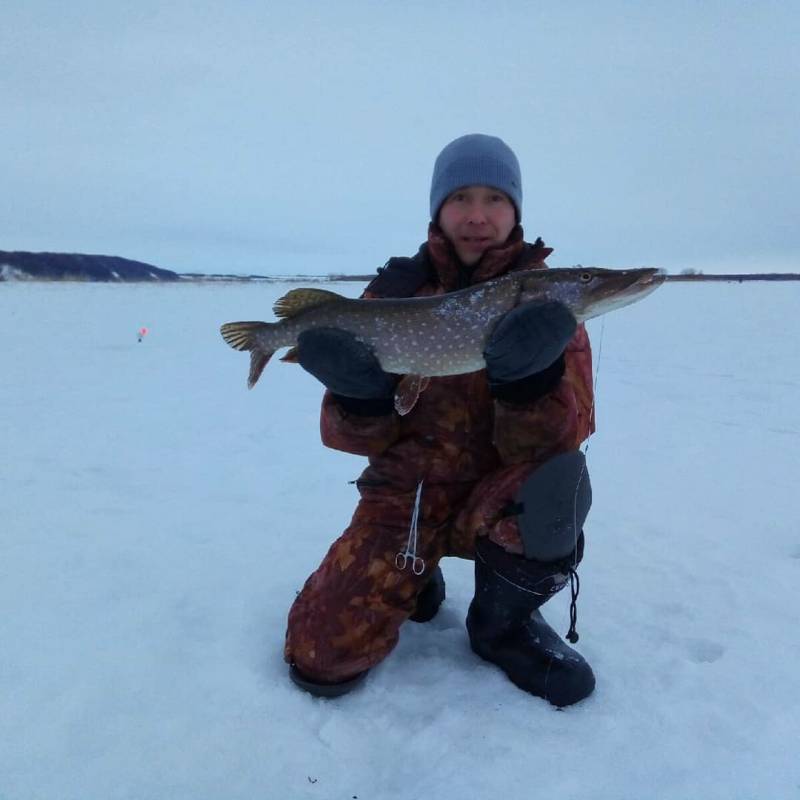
[{"x": 347, "y": 617}]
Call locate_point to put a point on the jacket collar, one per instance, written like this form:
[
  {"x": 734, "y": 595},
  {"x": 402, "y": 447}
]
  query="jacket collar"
[{"x": 513, "y": 254}]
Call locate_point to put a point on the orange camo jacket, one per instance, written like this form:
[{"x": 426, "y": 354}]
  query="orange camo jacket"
[{"x": 458, "y": 433}]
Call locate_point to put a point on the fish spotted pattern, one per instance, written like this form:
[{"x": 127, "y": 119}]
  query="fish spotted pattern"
[{"x": 438, "y": 335}]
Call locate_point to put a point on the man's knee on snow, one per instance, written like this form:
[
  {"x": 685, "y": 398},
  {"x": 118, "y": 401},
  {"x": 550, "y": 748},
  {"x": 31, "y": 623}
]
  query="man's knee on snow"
[
  {"x": 321, "y": 657},
  {"x": 337, "y": 628}
]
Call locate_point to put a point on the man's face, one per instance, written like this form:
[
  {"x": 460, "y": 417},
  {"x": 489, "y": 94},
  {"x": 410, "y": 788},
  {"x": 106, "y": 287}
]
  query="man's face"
[{"x": 476, "y": 218}]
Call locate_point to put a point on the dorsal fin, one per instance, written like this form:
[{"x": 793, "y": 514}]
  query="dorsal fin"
[{"x": 298, "y": 300}]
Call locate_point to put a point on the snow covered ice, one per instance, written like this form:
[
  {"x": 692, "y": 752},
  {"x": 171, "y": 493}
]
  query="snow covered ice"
[{"x": 158, "y": 519}]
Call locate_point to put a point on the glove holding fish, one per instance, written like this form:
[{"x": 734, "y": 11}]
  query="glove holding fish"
[
  {"x": 448, "y": 334},
  {"x": 349, "y": 369},
  {"x": 525, "y": 352}
]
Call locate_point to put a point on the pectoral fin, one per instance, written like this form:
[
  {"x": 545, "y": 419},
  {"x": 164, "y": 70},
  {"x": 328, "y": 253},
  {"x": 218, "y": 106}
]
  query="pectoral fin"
[
  {"x": 408, "y": 391},
  {"x": 291, "y": 356}
]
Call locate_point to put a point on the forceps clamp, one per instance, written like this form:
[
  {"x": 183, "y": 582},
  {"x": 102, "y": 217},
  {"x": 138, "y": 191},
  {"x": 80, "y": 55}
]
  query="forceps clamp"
[{"x": 401, "y": 560}]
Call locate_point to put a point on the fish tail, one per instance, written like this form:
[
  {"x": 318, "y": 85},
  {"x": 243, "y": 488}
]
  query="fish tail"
[{"x": 244, "y": 336}]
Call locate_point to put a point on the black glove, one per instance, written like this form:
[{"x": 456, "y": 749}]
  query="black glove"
[
  {"x": 349, "y": 369},
  {"x": 525, "y": 352}
]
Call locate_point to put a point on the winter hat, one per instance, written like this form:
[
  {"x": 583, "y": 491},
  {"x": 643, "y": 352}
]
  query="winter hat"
[{"x": 476, "y": 159}]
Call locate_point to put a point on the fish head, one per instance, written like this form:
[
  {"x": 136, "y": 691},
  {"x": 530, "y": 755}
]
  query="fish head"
[{"x": 590, "y": 291}]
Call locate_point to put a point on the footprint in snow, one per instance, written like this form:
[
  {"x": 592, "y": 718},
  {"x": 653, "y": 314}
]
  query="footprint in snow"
[{"x": 704, "y": 651}]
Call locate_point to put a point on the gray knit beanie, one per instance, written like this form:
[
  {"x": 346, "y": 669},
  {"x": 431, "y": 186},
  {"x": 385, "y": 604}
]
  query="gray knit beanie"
[{"x": 476, "y": 160}]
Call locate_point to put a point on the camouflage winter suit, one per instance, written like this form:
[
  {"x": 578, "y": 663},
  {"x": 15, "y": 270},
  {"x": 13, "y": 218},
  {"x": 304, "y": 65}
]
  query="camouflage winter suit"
[{"x": 472, "y": 453}]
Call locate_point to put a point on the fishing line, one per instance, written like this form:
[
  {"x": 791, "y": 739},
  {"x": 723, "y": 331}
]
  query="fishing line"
[
  {"x": 574, "y": 581},
  {"x": 597, "y": 362},
  {"x": 595, "y": 381}
]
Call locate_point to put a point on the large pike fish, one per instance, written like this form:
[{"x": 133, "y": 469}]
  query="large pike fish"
[{"x": 423, "y": 337}]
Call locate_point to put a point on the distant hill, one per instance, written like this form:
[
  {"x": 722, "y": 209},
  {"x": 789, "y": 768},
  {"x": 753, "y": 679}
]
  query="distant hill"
[{"x": 78, "y": 267}]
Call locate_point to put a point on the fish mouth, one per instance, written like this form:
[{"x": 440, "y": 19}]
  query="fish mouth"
[
  {"x": 653, "y": 276},
  {"x": 623, "y": 289},
  {"x": 645, "y": 278},
  {"x": 649, "y": 279}
]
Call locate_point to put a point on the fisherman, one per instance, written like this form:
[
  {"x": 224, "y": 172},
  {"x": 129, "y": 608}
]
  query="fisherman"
[{"x": 486, "y": 466}]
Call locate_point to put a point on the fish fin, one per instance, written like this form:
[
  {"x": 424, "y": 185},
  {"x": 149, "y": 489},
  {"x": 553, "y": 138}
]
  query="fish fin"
[
  {"x": 241, "y": 335},
  {"x": 297, "y": 300},
  {"x": 258, "y": 360},
  {"x": 291, "y": 356},
  {"x": 408, "y": 391}
]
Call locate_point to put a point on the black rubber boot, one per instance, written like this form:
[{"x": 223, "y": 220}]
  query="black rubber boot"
[
  {"x": 325, "y": 689},
  {"x": 430, "y": 598},
  {"x": 506, "y": 628}
]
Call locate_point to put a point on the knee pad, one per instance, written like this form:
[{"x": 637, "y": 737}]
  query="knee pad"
[{"x": 553, "y": 504}]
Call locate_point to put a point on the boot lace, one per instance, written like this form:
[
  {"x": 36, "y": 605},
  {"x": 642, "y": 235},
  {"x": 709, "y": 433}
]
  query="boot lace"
[{"x": 574, "y": 589}]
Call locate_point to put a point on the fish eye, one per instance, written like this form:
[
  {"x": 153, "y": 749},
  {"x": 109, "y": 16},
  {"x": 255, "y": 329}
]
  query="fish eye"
[{"x": 586, "y": 277}]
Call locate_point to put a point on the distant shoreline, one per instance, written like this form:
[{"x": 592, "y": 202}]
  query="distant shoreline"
[
  {"x": 217, "y": 277},
  {"x": 335, "y": 278},
  {"x": 737, "y": 278},
  {"x": 22, "y": 266}
]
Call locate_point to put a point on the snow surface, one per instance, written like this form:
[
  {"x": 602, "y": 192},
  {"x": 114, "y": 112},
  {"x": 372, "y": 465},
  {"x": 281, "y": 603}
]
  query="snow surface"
[{"x": 159, "y": 518}]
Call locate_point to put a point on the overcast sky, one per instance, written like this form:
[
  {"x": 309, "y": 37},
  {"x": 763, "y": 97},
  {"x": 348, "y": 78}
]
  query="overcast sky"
[{"x": 300, "y": 136}]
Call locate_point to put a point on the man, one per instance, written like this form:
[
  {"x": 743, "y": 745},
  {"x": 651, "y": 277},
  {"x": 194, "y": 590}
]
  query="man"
[{"x": 486, "y": 466}]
